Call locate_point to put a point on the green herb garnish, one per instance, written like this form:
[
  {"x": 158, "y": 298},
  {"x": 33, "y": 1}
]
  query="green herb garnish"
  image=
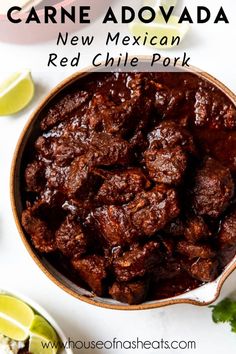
[{"x": 225, "y": 312}]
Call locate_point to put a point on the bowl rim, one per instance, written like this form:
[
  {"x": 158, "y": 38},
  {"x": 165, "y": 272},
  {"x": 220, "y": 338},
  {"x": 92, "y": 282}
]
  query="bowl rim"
[
  {"x": 41, "y": 311},
  {"x": 218, "y": 283}
]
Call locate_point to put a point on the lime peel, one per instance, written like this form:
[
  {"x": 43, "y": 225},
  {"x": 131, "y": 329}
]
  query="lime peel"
[{"x": 42, "y": 332}]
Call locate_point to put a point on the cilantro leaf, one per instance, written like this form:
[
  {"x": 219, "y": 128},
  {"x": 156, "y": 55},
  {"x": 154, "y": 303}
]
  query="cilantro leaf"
[
  {"x": 233, "y": 325},
  {"x": 225, "y": 311}
]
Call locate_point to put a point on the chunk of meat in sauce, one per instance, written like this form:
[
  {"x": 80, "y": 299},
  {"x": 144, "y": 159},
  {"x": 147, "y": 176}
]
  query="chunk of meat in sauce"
[
  {"x": 137, "y": 262},
  {"x": 196, "y": 229},
  {"x": 53, "y": 200},
  {"x": 66, "y": 149},
  {"x": 110, "y": 150},
  {"x": 169, "y": 268},
  {"x": 78, "y": 207},
  {"x": 114, "y": 224},
  {"x": 167, "y": 100},
  {"x": 70, "y": 238},
  {"x": 131, "y": 293},
  {"x": 120, "y": 187},
  {"x": 213, "y": 189},
  {"x": 105, "y": 150},
  {"x": 67, "y": 106},
  {"x": 151, "y": 211},
  {"x": 35, "y": 176},
  {"x": 63, "y": 146},
  {"x": 92, "y": 270},
  {"x": 42, "y": 237},
  {"x": 78, "y": 174},
  {"x": 227, "y": 234},
  {"x": 166, "y": 165},
  {"x": 212, "y": 109},
  {"x": 169, "y": 134},
  {"x": 120, "y": 118},
  {"x": 195, "y": 251},
  {"x": 205, "y": 270},
  {"x": 56, "y": 176},
  {"x": 82, "y": 181}
]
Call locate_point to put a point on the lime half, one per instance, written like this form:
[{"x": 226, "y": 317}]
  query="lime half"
[
  {"x": 16, "y": 92},
  {"x": 15, "y": 318},
  {"x": 168, "y": 35},
  {"x": 43, "y": 338}
]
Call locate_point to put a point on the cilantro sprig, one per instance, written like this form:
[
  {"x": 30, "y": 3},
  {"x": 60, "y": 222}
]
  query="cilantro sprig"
[{"x": 225, "y": 312}]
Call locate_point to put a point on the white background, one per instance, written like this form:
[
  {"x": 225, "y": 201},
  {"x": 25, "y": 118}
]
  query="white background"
[{"x": 18, "y": 271}]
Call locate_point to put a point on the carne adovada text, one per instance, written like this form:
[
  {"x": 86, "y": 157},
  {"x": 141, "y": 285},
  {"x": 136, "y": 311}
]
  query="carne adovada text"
[{"x": 129, "y": 186}]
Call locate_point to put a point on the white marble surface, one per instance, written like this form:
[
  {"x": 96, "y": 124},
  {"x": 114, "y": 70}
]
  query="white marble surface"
[{"x": 82, "y": 321}]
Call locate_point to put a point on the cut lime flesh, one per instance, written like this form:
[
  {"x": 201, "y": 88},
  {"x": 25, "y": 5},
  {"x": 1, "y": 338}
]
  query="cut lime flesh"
[
  {"x": 13, "y": 330},
  {"x": 16, "y": 309},
  {"x": 16, "y": 92},
  {"x": 15, "y": 318},
  {"x": 8, "y": 82}
]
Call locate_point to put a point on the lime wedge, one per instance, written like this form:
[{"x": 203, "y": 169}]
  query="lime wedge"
[
  {"x": 166, "y": 33},
  {"x": 43, "y": 337},
  {"x": 13, "y": 330},
  {"x": 16, "y": 92},
  {"x": 15, "y": 318}
]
